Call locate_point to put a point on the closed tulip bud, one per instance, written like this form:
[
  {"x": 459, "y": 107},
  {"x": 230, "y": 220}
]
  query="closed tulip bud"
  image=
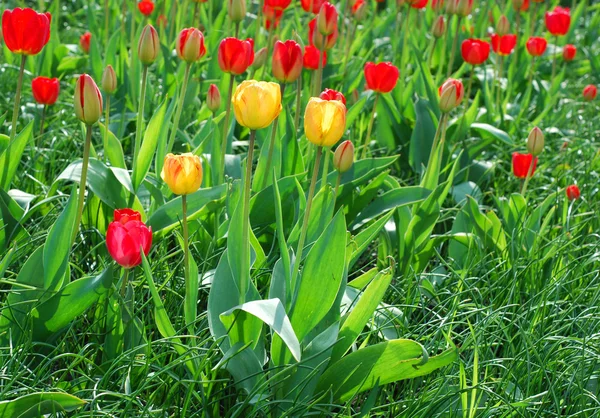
[
  {"x": 190, "y": 45},
  {"x": 451, "y": 95},
  {"x": 182, "y": 173},
  {"x": 503, "y": 26},
  {"x": 535, "y": 142},
  {"x": 359, "y": 10},
  {"x": 109, "y": 80},
  {"x": 327, "y": 19},
  {"x": 451, "y": 7},
  {"x": 589, "y": 92},
  {"x": 259, "y": 58},
  {"x": 344, "y": 157},
  {"x": 148, "y": 46},
  {"x": 213, "y": 98},
  {"x": 324, "y": 121},
  {"x": 237, "y": 10},
  {"x": 439, "y": 27},
  {"x": 316, "y": 38},
  {"x": 573, "y": 192},
  {"x": 464, "y": 7},
  {"x": 256, "y": 103},
  {"x": 88, "y": 100},
  {"x": 85, "y": 42},
  {"x": 45, "y": 90}
]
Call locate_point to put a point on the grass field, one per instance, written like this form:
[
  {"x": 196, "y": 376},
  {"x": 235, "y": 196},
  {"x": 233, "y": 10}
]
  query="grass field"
[{"x": 412, "y": 274}]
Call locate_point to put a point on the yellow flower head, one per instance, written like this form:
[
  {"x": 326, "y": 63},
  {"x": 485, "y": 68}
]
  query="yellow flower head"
[
  {"x": 256, "y": 103},
  {"x": 324, "y": 121},
  {"x": 182, "y": 173}
]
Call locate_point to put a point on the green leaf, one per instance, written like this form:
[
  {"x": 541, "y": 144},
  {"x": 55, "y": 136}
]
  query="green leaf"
[
  {"x": 272, "y": 313},
  {"x": 490, "y": 132},
  {"x": 359, "y": 243},
  {"x": 71, "y": 301},
  {"x": 39, "y": 404},
  {"x": 379, "y": 364},
  {"x": 149, "y": 144},
  {"x": 112, "y": 148},
  {"x": 422, "y": 136},
  {"x": 10, "y": 216},
  {"x": 10, "y": 163}
]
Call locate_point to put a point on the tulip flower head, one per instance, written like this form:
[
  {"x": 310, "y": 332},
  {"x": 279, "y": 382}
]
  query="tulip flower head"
[
  {"x": 190, "y": 45},
  {"x": 475, "y": 51},
  {"x": 272, "y": 17},
  {"x": 327, "y": 19},
  {"x": 569, "y": 52},
  {"x": 311, "y": 58},
  {"x": 235, "y": 55},
  {"x": 439, "y": 27},
  {"x": 237, "y": 10},
  {"x": 287, "y": 61},
  {"x": 330, "y": 94},
  {"x": 278, "y": 4},
  {"x": 437, "y": 5},
  {"x": 451, "y": 95},
  {"x": 558, "y": 21},
  {"x": 312, "y": 6},
  {"x": 535, "y": 141},
  {"x": 573, "y": 192},
  {"x": 464, "y": 7},
  {"x": 25, "y": 31},
  {"x": 418, "y": 4},
  {"x": 109, "y": 80},
  {"x": 148, "y": 45},
  {"x": 343, "y": 158},
  {"x": 182, "y": 173},
  {"x": 85, "y": 41},
  {"x": 213, "y": 98},
  {"x": 381, "y": 77},
  {"x": 317, "y": 39},
  {"x": 589, "y": 92},
  {"x": 256, "y": 103},
  {"x": 536, "y": 46},
  {"x": 503, "y": 26},
  {"x": 126, "y": 237},
  {"x": 146, "y": 7},
  {"x": 88, "y": 100},
  {"x": 520, "y": 5},
  {"x": 359, "y": 10},
  {"x": 521, "y": 164},
  {"x": 324, "y": 121},
  {"x": 45, "y": 90},
  {"x": 503, "y": 45}
]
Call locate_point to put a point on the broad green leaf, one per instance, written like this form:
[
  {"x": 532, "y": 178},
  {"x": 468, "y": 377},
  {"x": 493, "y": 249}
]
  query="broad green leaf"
[
  {"x": 112, "y": 148},
  {"x": 39, "y": 404},
  {"x": 149, "y": 144},
  {"x": 10, "y": 215},
  {"x": 421, "y": 140},
  {"x": 11, "y": 157},
  {"x": 490, "y": 132},
  {"x": 359, "y": 243}
]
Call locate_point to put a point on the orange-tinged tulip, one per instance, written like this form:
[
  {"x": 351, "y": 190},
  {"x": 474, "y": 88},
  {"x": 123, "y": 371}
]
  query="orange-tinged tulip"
[
  {"x": 324, "y": 121},
  {"x": 256, "y": 103},
  {"x": 190, "y": 45},
  {"x": 182, "y": 173}
]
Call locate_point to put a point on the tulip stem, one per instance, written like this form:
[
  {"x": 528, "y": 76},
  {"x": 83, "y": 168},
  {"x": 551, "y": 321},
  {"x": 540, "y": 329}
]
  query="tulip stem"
[
  {"x": 325, "y": 168},
  {"x": 499, "y": 88},
  {"x": 274, "y": 127},
  {"x": 15, "y": 116},
  {"x": 106, "y": 123},
  {"x": 454, "y": 44},
  {"x": 179, "y": 108},
  {"x": 436, "y": 140},
  {"x": 258, "y": 21},
  {"x": 311, "y": 194},
  {"x": 42, "y": 121},
  {"x": 319, "y": 81},
  {"x": 298, "y": 102},
  {"x": 186, "y": 254},
  {"x": 245, "y": 278},
  {"x": 82, "y": 181},
  {"x": 337, "y": 188},
  {"x": 554, "y": 59},
  {"x": 124, "y": 282},
  {"x": 370, "y": 128},
  {"x": 106, "y": 21},
  {"x": 529, "y": 175},
  {"x": 226, "y": 129},
  {"x": 533, "y": 16},
  {"x": 139, "y": 127},
  {"x": 531, "y": 71}
]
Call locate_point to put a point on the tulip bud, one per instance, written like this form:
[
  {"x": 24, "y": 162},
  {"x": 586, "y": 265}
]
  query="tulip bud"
[
  {"x": 344, "y": 157},
  {"x": 109, "y": 80},
  {"x": 569, "y": 52},
  {"x": 589, "y": 92},
  {"x": 573, "y": 192},
  {"x": 439, "y": 27},
  {"x": 88, "y": 100},
  {"x": 451, "y": 7},
  {"x": 260, "y": 57},
  {"x": 327, "y": 19},
  {"x": 451, "y": 95},
  {"x": 503, "y": 26},
  {"x": 182, "y": 173},
  {"x": 359, "y": 10},
  {"x": 464, "y": 7},
  {"x": 213, "y": 98},
  {"x": 190, "y": 45},
  {"x": 148, "y": 46},
  {"x": 237, "y": 10},
  {"x": 535, "y": 142}
]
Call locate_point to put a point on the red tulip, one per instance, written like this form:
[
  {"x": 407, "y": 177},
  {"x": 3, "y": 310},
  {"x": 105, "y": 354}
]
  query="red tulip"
[
  {"x": 312, "y": 6},
  {"x": 315, "y": 38},
  {"x": 146, "y": 7},
  {"x": 464, "y": 7},
  {"x": 311, "y": 58},
  {"x": 272, "y": 17},
  {"x": 330, "y": 94},
  {"x": 84, "y": 41},
  {"x": 437, "y": 5},
  {"x": 190, "y": 45},
  {"x": 213, "y": 98},
  {"x": 573, "y": 192},
  {"x": 235, "y": 55},
  {"x": 503, "y": 45},
  {"x": 536, "y": 46},
  {"x": 125, "y": 236},
  {"x": 451, "y": 94},
  {"x": 278, "y": 4},
  {"x": 418, "y": 4},
  {"x": 558, "y": 21},
  {"x": 287, "y": 61},
  {"x": 359, "y": 10},
  {"x": 327, "y": 19},
  {"x": 45, "y": 90},
  {"x": 521, "y": 164},
  {"x": 25, "y": 31},
  {"x": 589, "y": 92},
  {"x": 381, "y": 77},
  {"x": 569, "y": 52},
  {"x": 475, "y": 51},
  {"x": 520, "y": 5},
  {"x": 439, "y": 27}
]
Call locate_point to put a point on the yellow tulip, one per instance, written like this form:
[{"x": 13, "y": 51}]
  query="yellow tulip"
[
  {"x": 256, "y": 103},
  {"x": 324, "y": 121},
  {"x": 182, "y": 173}
]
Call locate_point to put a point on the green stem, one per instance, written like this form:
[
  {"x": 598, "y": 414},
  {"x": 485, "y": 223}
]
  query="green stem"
[
  {"x": 179, "y": 108},
  {"x": 311, "y": 194},
  {"x": 258, "y": 20},
  {"x": 436, "y": 139},
  {"x": 369, "y": 129},
  {"x": 325, "y": 169},
  {"x": 274, "y": 127},
  {"x": 337, "y": 188},
  {"x": 529, "y": 175},
  {"x": 454, "y": 43},
  {"x": 226, "y": 129},
  {"x": 106, "y": 21},
  {"x": 500, "y": 71},
  {"x": 298, "y": 102},
  {"x": 124, "y": 282},
  {"x": 139, "y": 127},
  {"x": 317, "y": 85},
  {"x": 82, "y": 181},
  {"x": 186, "y": 254},
  {"x": 554, "y": 60},
  {"x": 42, "y": 121},
  {"x": 106, "y": 123},
  {"x": 532, "y": 70},
  {"x": 245, "y": 279},
  {"x": 533, "y": 16},
  {"x": 15, "y": 117}
]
